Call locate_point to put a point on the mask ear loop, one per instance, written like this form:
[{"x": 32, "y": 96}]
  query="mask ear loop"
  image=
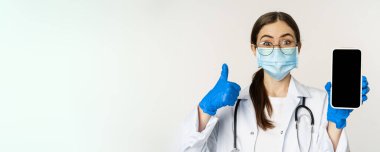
[
  {"x": 297, "y": 55},
  {"x": 258, "y": 57}
]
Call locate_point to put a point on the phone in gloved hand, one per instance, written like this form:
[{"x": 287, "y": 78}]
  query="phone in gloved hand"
[{"x": 346, "y": 90}]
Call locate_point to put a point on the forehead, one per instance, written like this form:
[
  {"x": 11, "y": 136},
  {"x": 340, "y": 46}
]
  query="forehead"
[{"x": 275, "y": 29}]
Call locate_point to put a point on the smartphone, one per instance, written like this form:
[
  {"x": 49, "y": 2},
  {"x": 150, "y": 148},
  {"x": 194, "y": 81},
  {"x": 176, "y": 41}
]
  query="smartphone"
[{"x": 346, "y": 91}]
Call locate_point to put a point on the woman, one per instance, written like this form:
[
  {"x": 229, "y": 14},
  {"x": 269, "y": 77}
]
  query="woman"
[{"x": 266, "y": 118}]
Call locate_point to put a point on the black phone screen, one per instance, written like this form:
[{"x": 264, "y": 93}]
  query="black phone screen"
[{"x": 346, "y": 78}]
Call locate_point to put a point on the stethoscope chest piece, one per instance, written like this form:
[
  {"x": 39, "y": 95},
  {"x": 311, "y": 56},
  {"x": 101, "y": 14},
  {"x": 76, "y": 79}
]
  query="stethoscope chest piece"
[{"x": 235, "y": 150}]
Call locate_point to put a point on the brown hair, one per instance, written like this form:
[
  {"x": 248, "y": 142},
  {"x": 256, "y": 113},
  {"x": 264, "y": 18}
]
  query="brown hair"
[{"x": 257, "y": 89}]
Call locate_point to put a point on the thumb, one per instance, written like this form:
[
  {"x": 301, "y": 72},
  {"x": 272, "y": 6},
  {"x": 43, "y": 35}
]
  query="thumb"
[
  {"x": 224, "y": 74},
  {"x": 328, "y": 86}
]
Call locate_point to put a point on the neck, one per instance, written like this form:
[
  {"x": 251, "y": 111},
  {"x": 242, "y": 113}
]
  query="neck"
[{"x": 276, "y": 88}]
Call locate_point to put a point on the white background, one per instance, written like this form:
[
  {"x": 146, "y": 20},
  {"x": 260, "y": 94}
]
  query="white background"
[{"x": 114, "y": 75}]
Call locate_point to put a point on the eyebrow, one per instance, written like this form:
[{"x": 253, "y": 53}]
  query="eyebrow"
[{"x": 283, "y": 35}]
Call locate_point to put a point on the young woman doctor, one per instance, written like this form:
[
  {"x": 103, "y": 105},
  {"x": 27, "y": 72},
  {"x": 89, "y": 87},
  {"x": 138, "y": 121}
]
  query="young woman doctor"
[{"x": 266, "y": 118}]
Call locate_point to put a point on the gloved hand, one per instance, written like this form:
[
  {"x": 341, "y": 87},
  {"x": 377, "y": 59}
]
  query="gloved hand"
[
  {"x": 339, "y": 116},
  {"x": 224, "y": 93}
]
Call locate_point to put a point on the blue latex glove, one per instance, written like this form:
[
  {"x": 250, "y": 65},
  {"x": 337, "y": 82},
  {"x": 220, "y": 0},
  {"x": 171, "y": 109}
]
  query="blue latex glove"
[
  {"x": 339, "y": 116},
  {"x": 224, "y": 93}
]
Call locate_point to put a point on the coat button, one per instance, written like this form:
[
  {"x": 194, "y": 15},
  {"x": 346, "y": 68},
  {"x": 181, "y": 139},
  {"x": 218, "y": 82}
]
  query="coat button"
[
  {"x": 282, "y": 132},
  {"x": 252, "y": 133}
]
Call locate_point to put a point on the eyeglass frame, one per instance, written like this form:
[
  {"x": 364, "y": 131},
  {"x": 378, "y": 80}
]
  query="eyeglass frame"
[{"x": 279, "y": 46}]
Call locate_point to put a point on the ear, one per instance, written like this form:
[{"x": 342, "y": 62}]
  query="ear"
[{"x": 253, "y": 48}]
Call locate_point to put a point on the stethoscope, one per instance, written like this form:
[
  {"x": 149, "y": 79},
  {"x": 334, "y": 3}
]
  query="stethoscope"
[{"x": 300, "y": 106}]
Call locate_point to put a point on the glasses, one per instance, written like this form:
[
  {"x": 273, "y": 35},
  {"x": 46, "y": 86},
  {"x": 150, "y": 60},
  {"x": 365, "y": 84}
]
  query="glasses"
[{"x": 284, "y": 45}]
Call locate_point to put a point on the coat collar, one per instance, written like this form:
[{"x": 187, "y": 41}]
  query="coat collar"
[{"x": 296, "y": 89}]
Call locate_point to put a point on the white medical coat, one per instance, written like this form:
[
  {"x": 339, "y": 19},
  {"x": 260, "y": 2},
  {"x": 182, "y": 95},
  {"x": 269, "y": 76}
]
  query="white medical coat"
[{"x": 218, "y": 134}]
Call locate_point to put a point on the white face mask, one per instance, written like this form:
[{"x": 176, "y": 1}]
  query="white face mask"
[{"x": 277, "y": 62}]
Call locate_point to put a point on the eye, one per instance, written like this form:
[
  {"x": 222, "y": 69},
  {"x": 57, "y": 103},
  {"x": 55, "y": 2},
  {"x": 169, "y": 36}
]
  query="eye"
[
  {"x": 266, "y": 43},
  {"x": 286, "y": 42}
]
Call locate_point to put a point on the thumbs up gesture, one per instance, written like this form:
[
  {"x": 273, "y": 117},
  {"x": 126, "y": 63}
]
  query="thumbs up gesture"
[{"x": 224, "y": 93}]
